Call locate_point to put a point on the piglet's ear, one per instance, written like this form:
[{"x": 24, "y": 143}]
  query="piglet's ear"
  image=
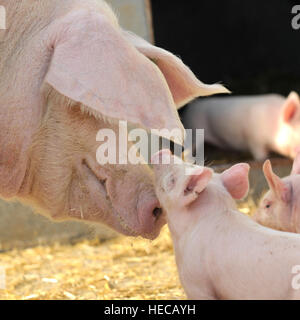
[
  {"x": 296, "y": 164},
  {"x": 291, "y": 107},
  {"x": 276, "y": 185},
  {"x": 196, "y": 182},
  {"x": 236, "y": 181},
  {"x": 94, "y": 64},
  {"x": 182, "y": 82}
]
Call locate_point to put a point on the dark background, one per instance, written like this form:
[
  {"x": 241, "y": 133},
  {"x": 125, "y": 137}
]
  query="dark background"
[{"x": 249, "y": 46}]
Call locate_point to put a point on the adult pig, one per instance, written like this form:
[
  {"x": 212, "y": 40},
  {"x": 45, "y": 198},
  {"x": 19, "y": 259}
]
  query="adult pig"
[
  {"x": 67, "y": 69},
  {"x": 279, "y": 208},
  {"x": 220, "y": 252},
  {"x": 258, "y": 124}
]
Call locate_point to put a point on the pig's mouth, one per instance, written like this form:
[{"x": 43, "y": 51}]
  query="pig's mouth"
[{"x": 119, "y": 223}]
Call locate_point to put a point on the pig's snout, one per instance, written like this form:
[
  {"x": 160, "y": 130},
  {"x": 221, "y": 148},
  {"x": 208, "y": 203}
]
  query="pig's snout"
[
  {"x": 157, "y": 212},
  {"x": 150, "y": 218},
  {"x": 153, "y": 208}
]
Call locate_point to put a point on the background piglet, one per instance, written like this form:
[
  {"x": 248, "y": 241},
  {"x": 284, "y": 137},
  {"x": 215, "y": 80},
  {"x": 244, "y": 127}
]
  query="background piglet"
[
  {"x": 221, "y": 253},
  {"x": 280, "y": 206},
  {"x": 258, "y": 124}
]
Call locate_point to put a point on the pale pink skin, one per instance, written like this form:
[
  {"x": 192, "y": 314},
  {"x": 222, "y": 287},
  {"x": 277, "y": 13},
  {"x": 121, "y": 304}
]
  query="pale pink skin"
[
  {"x": 220, "y": 252},
  {"x": 258, "y": 124},
  {"x": 67, "y": 69},
  {"x": 279, "y": 208}
]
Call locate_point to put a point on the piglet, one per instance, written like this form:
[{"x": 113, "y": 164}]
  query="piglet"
[
  {"x": 279, "y": 208},
  {"x": 220, "y": 252},
  {"x": 258, "y": 124}
]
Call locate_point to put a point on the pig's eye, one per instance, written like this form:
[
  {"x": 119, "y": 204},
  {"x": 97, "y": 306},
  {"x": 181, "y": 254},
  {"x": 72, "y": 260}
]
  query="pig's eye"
[{"x": 268, "y": 205}]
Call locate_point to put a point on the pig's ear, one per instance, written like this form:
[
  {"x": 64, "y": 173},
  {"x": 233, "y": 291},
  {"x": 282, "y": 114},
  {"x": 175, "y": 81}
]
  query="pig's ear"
[
  {"x": 196, "y": 182},
  {"x": 236, "y": 181},
  {"x": 296, "y": 164},
  {"x": 92, "y": 63},
  {"x": 182, "y": 82},
  {"x": 290, "y": 107},
  {"x": 276, "y": 185}
]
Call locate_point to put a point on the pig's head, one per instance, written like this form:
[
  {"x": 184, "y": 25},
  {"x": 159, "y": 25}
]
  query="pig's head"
[
  {"x": 93, "y": 75},
  {"x": 179, "y": 185},
  {"x": 288, "y": 137},
  {"x": 65, "y": 181},
  {"x": 279, "y": 206}
]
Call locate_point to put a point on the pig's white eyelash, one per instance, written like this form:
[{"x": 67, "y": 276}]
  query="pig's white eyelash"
[
  {"x": 97, "y": 115},
  {"x": 61, "y": 99}
]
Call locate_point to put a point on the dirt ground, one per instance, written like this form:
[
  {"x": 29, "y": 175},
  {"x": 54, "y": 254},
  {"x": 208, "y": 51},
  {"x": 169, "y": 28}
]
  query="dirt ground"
[{"x": 122, "y": 268}]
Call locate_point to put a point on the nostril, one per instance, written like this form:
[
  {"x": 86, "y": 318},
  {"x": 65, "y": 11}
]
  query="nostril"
[{"x": 157, "y": 212}]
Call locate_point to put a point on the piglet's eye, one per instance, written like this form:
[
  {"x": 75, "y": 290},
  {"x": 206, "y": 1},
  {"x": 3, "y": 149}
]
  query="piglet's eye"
[{"x": 268, "y": 205}]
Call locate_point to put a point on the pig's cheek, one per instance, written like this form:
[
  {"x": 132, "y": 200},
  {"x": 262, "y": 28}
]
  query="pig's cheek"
[
  {"x": 122, "y": 196},
  {"x": 86, "y": 202},
  {"x": 260, "y": 216}
]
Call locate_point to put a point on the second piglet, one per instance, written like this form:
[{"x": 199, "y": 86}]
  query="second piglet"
[
  {"x": 220, "y": 252},
  {"x": 258, "y": 124}
]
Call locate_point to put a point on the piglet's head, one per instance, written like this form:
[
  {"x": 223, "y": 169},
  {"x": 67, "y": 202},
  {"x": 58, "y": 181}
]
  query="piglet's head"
[
  {"x": 178, "y": 183},
  {"x": 278, "y": 205}
]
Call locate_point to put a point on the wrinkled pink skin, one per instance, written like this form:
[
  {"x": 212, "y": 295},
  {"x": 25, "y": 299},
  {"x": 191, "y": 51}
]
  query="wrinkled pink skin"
[
  {"x": 220, "y": 252},
  {"x": 280, "y": 206},
  {"x": 67, "y": 70},
  {"x": 258, "y": 124}
]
